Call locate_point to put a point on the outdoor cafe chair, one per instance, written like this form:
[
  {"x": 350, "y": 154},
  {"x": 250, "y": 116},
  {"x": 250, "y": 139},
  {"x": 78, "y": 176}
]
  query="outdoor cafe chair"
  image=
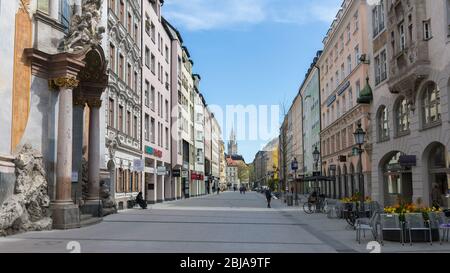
[
  {"x": 391, "y": 222},
  {"x": 440, "y": 222},
  {"x": 415, "y": 221},
  {"x": 363, "y": 224}
]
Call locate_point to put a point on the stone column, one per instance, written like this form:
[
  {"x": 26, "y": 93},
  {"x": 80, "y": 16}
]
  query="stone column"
[
  {"x": 65, "y": 213},
  {"x": 93, "y": 204}
]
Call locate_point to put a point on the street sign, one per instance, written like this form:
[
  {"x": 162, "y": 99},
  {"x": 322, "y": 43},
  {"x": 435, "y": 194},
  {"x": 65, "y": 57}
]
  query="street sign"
[
  {"x": 294, "y": 165},
  {"x": 138, "y": 165},
  {"x": 184, "y": 174},
  {"x": 74, "y": 176},
  {"x": 408, "y": 160},
  {"x": 161, "y": 170},
  {"x": 176, "y": 173}
]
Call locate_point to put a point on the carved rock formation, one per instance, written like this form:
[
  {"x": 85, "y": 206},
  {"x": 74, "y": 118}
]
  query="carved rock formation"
[{"x": 28, "y": 208}]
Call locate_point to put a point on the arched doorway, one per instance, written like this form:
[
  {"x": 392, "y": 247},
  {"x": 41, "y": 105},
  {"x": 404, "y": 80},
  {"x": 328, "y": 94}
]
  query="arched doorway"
[
  {"x": 397, "y": 180},
  {"x": 439, "y": 174}
]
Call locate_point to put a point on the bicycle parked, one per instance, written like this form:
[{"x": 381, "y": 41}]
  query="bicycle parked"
[{"x": 316, "y": 203}]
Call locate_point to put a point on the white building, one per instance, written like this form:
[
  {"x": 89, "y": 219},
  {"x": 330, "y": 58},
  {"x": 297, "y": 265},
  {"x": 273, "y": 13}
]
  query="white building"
[
  {"x": 199, "y": 129},
  {"x": 156, "y": 110}
]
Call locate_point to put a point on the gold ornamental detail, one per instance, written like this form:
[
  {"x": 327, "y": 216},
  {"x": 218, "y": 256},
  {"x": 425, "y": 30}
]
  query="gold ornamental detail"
[
  {"x": 64, "y": 82},
  {"x": 94, "y": 103}
]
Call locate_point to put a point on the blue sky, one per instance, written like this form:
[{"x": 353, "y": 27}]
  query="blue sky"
[{"x": 251, "y": 52}]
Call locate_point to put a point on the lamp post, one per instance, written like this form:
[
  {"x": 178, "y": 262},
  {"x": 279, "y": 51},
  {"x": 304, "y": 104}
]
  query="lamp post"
[
  {"x": 294, "y": 166},
  {"x": 316, "y": 156},
  {"x": 359, "y": 140}
]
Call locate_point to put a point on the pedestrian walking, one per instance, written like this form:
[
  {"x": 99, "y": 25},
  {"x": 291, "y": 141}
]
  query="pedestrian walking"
[
  {"x": 268, "y": 196},
  {"x": 244, "y": 189}
]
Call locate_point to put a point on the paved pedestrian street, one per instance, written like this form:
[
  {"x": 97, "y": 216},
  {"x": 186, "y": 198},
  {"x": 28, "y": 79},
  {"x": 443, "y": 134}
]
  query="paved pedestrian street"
[{"x": 229, "y": 222}]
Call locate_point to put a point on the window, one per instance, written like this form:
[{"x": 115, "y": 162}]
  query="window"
[
  {"x": 356, "y": 20},
  {"x": 349, "y": 64},
  {"x": 129, "y": 23},
  {"x": 112, "y": 57},
  {"x": 43, "y": 5},
  {"x": 159, "y": 42},
  {"x": 65, "y": 14},
  {"x": 129, "y": 123},
  {"x": 348, "y": 33},
  {"x": 147, "y": 25},
  {"x": 152, "y": 98},
  {"x": 357, "y": 56},
  {"x": 147, "y": 57},
  {"x": 167, "y": 54},
  {"x": 427, "y": 30},
  {"x": 152, "y": 130},
  {"x": 159, "y": 71},
  {"x": 383, "y": 124},
  {"x": 431, "y": 104},
  {"x": 167, "y": 138},
  {"x": 378, "y": 19},
  {"x": 147, "y": 127},
  {"x": 402, "y": 116},
  {"x": 358, "y": 88},
  {"x": 167, "y": 110},
  {"x": 122, "y": 11},
  {"x": 401, "y": 31},
  {"x": 135, "y": 127},
  {"x": 121, "y": 118},
  {"x": 111, "y": 113},
  {"x": 159, "y": 105},
  {"x": 380, "y": 67},
  {"x": 343, "y": 72},
  {"x": 153, "y": 64},
  {"x": 153, "y": 30},
  {"x": 136, "y": 33},
  {"x": 448, "y": 17},
  {"x": 129, "y": 75},
  {"x": 121, "y": 63},
  {"x": 350, "y": 99},
  {"x": 167, "y": 81},
  {"x": 135, "y": 83},
  {"x": 147, "y": 94}
]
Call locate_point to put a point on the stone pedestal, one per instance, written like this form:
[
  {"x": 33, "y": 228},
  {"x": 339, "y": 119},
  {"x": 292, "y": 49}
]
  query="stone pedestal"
[
  {"x": 92, "y": 207},
  {"x": 65, "y": 215}
]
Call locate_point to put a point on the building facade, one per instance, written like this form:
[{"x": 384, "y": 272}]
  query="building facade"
[
  {"x": 310, "y": 96},
  {"x": 410, "y": 43},
  {"x": 343, "y": 72},
  {"x": 199, "y": 129},
  {"x": 156, "y": 106}
]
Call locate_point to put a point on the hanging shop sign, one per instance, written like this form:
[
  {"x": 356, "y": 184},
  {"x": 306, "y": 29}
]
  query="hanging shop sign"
[
  {"x": 408, "y": 160},
  {"x": 161, "y": 170},
  {"x": 155, "y": 152},
  {"x": 176, "y": 173}
]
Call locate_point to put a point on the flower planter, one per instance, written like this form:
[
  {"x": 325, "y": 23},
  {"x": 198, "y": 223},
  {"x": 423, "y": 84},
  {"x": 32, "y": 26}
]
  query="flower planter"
[{"x": 416, "y": 235}]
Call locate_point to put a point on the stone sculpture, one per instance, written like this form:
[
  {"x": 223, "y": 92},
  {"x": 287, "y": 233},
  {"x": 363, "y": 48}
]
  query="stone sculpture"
[
  {"x": 85, "y": 29},
  {"x": 28, "y": 208}
]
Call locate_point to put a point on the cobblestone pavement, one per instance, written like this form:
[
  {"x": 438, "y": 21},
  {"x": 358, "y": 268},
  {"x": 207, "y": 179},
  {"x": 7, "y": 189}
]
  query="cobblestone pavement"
[{"x": 226, "y": 223}]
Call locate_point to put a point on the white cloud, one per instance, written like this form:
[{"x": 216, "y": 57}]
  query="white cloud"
[{"x": 213, "y": 14}]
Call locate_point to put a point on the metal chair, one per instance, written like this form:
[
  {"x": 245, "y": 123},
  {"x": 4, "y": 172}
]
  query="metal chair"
[
  {"x": 363, "y": 224},
  {"x": 440, "y": 222},
  {"x": 391, "y": 222},
  {"x": 415, "y": 221}
]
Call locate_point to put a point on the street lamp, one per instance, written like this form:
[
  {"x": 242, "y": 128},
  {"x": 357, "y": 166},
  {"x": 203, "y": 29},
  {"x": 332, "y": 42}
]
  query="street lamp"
[
  {"x": 294, "y": 166},
  {"x": 359, "y": 140},
  {"x": 316, "y": 156}
]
